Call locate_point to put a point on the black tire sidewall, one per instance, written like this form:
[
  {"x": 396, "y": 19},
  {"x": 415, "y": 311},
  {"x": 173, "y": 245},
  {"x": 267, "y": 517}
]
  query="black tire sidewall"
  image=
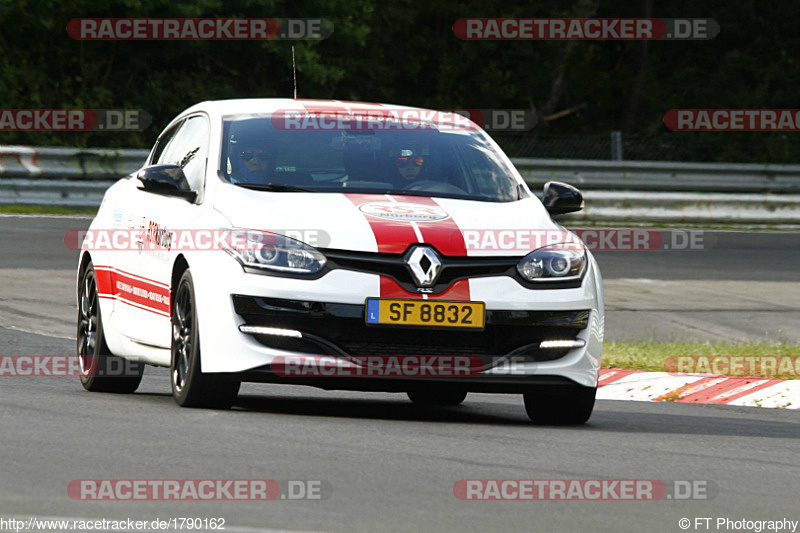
[
  {"x": 193, "y": 376},
  {"x": 88, "y": 380},
  {"x": 433, "y": 397},
  {"x": 574, "y": 408},
  {"x": 100, "y": 378}
]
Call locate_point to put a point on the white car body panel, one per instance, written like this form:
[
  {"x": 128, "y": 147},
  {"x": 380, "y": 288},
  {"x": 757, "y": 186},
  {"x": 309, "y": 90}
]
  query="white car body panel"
[{"x": 140, "y": 333}]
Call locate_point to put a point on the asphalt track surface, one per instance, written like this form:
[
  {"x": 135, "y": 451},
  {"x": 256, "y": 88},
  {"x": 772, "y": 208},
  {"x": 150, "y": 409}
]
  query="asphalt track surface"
[
  {"x": 739, "y": 256},
  {"x": 391, "y": 465}
]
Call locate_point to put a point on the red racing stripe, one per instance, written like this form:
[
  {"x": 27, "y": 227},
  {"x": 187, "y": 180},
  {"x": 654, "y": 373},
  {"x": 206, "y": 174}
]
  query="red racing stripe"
[
  {"x": 133, "y": 290},
  {"x": 105, "y": 281},
  {"x": 391, "y": 289},
  {"x": 394, "y": 236},
  {"x": 391, "y": 236},
  {"x": 457, "y": 291},
  {"x": 444, "y": 235}
]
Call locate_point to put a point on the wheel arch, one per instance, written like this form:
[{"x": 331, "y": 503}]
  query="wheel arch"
[
  {"x": 180, "y": 266},
  {"x": 84, "y": 261}
]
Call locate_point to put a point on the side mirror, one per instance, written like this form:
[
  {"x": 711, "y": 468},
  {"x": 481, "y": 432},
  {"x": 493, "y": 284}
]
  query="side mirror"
[
  {"x": 559, "y": 198},
  {"x": 167, "y": 180}
]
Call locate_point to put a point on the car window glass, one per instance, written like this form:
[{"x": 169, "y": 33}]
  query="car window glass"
[
  {"x": 164, "y": 141},
  {"x": 484, "y": 171},
  {"x": 189, "y": 149},
  {"x": 455, "y": 164}
]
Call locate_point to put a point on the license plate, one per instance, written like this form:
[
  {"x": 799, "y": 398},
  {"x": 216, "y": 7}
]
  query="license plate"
[{"x": 436, "y": 313}]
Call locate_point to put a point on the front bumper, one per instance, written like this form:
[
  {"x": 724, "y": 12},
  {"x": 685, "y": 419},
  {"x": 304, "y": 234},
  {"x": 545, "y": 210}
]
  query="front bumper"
[
  {"x": 517, "y": 320},
  {"x": 340, "y": 329}
]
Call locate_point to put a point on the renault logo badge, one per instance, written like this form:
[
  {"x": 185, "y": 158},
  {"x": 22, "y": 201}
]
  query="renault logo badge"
[{"x": 424, "y": 264}]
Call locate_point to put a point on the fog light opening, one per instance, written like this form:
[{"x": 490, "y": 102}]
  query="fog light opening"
[
  {"x": 562, "y": 343},
  {"x": 263, "y": 330}
]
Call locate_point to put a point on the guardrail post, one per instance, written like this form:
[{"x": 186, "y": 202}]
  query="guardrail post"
[{"x": 616, "y": 145}]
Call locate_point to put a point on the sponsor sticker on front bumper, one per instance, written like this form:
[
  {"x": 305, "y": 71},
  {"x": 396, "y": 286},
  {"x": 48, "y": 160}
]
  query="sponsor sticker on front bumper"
[{"x": 403, "y": 312}]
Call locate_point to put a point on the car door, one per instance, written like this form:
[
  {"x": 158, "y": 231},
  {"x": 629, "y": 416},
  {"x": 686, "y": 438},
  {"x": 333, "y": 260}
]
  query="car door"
[{"x": 158, "y": 219}]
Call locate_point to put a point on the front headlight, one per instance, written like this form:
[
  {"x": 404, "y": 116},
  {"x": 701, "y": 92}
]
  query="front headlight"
[
  {"x": 270, "y": 251},
  {"x": 557, "y": 262}
]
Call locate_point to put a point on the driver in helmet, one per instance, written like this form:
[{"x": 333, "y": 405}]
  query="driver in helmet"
[
  {"x": 255, "y": 164},
  {"x": 409, "y": 164},
  {"x": 250, "y": 160}
]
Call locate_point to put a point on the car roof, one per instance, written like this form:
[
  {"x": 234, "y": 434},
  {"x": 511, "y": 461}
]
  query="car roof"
[{"x": 269, "y": 105}]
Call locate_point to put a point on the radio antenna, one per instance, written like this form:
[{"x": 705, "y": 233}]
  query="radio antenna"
[{"x": 294, "y": 74}]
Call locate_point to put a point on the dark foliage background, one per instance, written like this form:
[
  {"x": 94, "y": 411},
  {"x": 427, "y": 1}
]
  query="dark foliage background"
[{"x": 404, "y": 52}]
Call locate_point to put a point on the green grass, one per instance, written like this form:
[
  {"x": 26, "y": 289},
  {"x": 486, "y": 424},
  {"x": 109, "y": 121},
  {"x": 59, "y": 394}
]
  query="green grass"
[
  {"x": 663, "y": 357},
  {"x": 46, "y": 210}
]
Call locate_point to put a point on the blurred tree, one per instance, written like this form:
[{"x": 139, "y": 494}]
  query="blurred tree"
[{"x": 405, "y": 52}]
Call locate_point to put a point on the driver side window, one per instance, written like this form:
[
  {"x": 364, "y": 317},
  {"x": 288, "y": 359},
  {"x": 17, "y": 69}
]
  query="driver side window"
[
  {"x": 188, "y": 149},
  {"x": 163, "y": 142}
]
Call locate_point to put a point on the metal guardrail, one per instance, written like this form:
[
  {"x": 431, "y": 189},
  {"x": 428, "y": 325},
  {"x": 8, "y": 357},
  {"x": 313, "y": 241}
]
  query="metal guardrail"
[
  {"x": 68, "y": 177},
  {"x": 68, "y": 163},
  {"x": 63, "y": 193},
  {"x": 615, "y": 191},
  {"x": 662, "y": 176},
  {"x": 688, "y": 208}
]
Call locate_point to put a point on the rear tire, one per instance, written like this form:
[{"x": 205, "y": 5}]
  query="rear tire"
[
  {"x": 101, "y": 370},
  {"x": 559, "y": 408},
  {"x": 437, "y": 397},
  {"x": 190, "y": 387}
]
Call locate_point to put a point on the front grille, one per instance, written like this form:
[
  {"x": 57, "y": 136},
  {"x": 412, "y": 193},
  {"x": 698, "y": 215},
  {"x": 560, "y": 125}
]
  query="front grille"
[
  {"x": 453, "y": 269},
  {"x": 383, "y": 348},
  {"x": 340, "y": 329},
  {"x": 530, "y": 353}
]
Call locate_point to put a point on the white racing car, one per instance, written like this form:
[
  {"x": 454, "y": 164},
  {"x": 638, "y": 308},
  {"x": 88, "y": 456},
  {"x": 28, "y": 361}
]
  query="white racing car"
[{"x": 299, "y": 241}]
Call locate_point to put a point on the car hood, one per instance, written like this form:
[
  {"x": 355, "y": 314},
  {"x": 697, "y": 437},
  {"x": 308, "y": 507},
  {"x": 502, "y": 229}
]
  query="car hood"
[{"x": 389, "y": 223}]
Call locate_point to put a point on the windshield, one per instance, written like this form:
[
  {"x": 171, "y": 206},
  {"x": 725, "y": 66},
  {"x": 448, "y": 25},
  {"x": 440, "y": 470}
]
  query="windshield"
[{"x": 454, "y": 164}]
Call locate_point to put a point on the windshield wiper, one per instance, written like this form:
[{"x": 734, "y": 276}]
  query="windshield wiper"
[
  {"x": 273, "y": 187},
  {"x": 411, "y": 193}
]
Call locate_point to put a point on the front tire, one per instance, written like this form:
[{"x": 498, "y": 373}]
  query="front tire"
[
  {"x": 101, "y": 371},
  {"x": 437, "y": 397},
  {"x": 190, "y": 387},
  {"x": 572, "y": 407}
]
